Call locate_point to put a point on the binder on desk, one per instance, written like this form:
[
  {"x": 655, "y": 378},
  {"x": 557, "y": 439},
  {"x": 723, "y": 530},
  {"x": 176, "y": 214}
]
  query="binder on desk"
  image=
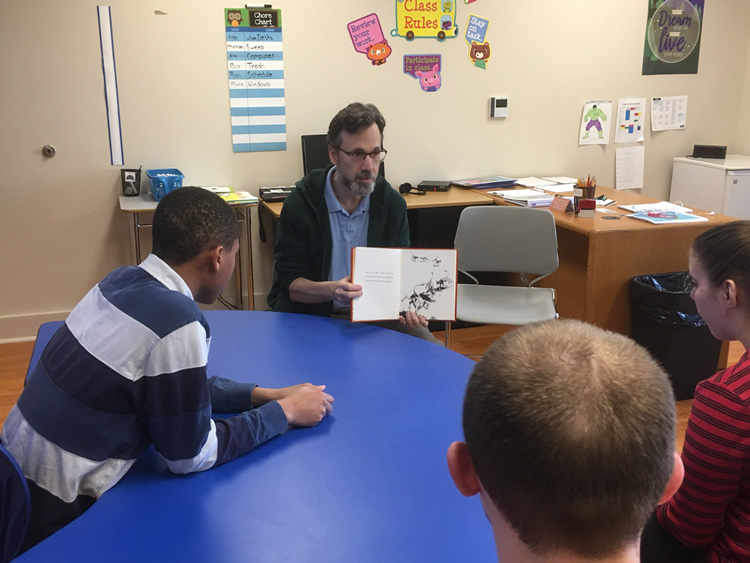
[
  {"x": 526, "y": 197},
  {"x": 485, "y": 183}
]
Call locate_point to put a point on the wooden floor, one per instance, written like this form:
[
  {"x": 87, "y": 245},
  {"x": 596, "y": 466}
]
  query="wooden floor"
[{"x": 471, "y": 342}]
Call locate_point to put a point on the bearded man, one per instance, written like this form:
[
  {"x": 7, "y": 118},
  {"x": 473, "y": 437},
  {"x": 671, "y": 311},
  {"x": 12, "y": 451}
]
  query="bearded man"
[{"x": 333, "y": 210}]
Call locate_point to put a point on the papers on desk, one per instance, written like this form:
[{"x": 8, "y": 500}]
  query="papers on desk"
[
  {"x": 662, "y": 212},
  {"x": 548, "y": 184},
  {"x": 534, "y": 182},
  {"x": 561, "y": 179},
  {"x": 661, "y": 206},
  {"x": 664, "y": 217},
  {"x": 558, "y": 188},
  {"x": 528, "y": 198}
]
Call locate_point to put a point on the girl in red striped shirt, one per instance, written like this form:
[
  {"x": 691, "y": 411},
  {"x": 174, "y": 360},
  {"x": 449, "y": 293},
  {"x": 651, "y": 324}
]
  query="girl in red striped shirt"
[{"x": 709, "y": 516}]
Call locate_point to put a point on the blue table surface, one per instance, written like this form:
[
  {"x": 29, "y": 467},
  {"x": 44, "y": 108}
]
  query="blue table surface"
[{"x": 369, "y": 483}]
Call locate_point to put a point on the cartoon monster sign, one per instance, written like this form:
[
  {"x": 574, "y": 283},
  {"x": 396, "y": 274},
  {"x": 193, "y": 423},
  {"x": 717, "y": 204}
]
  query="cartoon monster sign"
[
  {"x": 426, "y": 69},
  {"x": 479, "y": 48},
  {"x": 367, "y": 38}
]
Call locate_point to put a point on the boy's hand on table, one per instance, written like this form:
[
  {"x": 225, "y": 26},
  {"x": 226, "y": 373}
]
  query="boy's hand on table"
[{"x": 305, "y": 404}]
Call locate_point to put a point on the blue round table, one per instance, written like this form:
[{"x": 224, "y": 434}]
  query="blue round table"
[{"x": 369, "y": 483}]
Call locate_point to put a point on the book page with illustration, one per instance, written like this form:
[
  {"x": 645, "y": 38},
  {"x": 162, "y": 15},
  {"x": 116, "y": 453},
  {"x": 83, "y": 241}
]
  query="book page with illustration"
[{"x": 408, "y": 279}]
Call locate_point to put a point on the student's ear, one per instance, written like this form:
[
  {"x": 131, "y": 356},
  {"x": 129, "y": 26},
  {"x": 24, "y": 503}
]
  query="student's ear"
[
  {"x": 729, "y": 293},
  {"x": 675, "y": 480},
  {"x": 211, "y": 259},
  {"x": 462, "y": 469}
]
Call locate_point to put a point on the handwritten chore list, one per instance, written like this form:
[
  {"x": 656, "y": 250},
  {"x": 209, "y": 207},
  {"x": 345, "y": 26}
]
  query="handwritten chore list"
[{"x": 255, "y": 62}]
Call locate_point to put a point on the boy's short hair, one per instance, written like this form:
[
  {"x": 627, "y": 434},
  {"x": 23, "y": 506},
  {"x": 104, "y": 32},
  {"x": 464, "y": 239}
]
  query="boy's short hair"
[
  {"x": 571, "y": 431},
  {"x": 354, "y": 118},
  {"x": 188, "y": 221}
]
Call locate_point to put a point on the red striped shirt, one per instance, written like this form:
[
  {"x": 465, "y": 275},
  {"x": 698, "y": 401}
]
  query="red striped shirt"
[{"x": 712, "y": 507}]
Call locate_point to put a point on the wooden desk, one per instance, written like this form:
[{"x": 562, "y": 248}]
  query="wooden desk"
[
  {"x": 454, "y": 197},
  {"x": 368, "y": 484},
  {"x": 144, "y": 203},
  {"x": 599, "y": 256},
  {"x": 432, "y": 217}
]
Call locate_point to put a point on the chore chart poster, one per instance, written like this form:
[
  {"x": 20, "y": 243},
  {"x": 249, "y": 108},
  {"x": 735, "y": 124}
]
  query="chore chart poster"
[{"x": 255, "y": 62}]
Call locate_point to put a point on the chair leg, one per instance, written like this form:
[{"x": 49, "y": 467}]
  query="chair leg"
[{"x": 447, "y": 334}]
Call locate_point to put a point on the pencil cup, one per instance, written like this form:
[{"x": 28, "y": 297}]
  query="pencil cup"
[{"x": 582, "y": 192}]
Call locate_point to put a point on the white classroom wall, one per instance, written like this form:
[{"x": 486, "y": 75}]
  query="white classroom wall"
[
  {"x": 743, "y": 124},
  {"x": 61, "y": 228}
]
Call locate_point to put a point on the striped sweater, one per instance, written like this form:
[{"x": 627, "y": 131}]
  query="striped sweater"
[
  {"x": 712, "y": 507},
  {"x": 127, "y": 369}
]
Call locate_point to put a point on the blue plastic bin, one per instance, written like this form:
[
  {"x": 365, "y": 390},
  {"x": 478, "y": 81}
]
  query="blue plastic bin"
[{"x": 163, "y": 181}]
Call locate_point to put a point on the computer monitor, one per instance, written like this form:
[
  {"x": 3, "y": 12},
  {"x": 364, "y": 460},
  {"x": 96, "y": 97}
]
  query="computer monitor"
[{"x": 315, "y": 153}]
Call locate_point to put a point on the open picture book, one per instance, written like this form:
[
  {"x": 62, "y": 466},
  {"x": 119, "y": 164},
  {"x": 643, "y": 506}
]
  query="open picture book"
[{"x": 395, "y": 280}]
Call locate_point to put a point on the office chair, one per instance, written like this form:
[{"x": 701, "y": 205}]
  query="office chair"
[
  {"x": 15, "y": 506},
  {"x": 497, "y": 238}
]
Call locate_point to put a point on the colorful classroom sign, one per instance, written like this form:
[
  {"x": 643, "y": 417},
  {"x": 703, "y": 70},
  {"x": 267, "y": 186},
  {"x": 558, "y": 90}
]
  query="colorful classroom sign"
[
  {"x": 255, "y": 62},
  {"x": 426, "y": 69},
  {"x": 425, "y": 18},
  {"x": 367, "y": 38},
  {"x": 476, "y": 33},
  {"x": 631, "y": 122},
  {"x": 595, "y": 124},
  {"x": 673, "y": 37},
  {"x": 476, "y": 29}
]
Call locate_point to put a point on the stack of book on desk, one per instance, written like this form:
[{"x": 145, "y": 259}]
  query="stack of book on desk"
[
  {"x": 238, "y": 197},
  {"x": 525, "y": 197},
  {"x": 230, "y": 195},
  {"x": 485, "y": 183}
]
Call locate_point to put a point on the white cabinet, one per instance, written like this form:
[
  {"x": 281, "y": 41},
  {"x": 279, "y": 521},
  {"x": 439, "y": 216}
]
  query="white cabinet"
[{"x": 720, "y": 185}]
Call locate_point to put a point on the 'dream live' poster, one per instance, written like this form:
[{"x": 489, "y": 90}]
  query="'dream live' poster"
[{"x": 673, "y": 37}]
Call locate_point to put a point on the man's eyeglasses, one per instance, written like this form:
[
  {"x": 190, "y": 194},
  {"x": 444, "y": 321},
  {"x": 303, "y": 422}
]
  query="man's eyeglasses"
[{"x": 378, "y": 155}]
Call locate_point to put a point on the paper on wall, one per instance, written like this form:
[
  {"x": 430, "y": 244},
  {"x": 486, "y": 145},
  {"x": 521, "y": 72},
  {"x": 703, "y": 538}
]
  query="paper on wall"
[{"x": 629, "y": 168}]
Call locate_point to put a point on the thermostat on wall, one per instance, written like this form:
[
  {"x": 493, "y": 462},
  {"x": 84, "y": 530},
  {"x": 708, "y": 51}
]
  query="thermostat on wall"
[{"x": 498, "y": 107}]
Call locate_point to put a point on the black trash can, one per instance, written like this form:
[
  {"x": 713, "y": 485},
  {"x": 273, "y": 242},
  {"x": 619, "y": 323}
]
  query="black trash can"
[{"x": 665, "y": 321}]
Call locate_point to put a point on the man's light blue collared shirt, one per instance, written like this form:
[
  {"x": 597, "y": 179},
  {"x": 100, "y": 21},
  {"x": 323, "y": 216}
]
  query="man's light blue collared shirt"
[{"x": 347, "y": 232}]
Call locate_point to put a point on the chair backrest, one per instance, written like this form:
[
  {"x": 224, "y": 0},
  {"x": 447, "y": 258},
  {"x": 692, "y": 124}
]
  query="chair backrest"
[
  {"x": 499, "y": 238},
  {"x": 15, "y": 506},
  {"x": 315, "y": 154}
]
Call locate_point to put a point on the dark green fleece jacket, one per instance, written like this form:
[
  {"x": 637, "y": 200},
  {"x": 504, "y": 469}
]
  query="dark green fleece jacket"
[{"x": 303, "y": 239}]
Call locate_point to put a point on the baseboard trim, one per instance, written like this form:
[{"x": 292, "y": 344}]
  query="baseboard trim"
[{"x": 22, "y": 328}]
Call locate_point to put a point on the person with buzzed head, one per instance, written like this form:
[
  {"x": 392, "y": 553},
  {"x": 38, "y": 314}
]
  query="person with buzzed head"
[{"x": 569, "y": 443}]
